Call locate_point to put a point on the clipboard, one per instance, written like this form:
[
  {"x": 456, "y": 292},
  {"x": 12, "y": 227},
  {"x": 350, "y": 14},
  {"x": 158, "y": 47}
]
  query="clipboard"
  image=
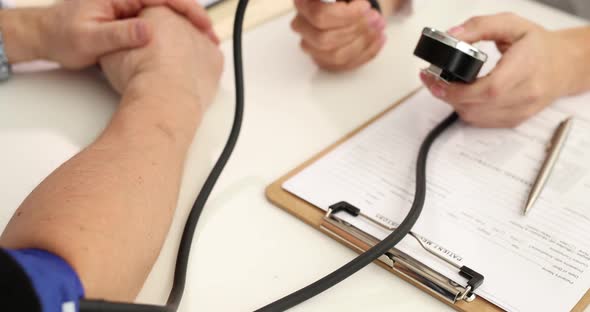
[{"x": 401, "y": 265}]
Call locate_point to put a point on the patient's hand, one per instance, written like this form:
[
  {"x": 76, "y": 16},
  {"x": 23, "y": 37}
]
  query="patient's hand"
[
  {"x": 180, "y": 61},
  {"x": 75, "y": 33}
]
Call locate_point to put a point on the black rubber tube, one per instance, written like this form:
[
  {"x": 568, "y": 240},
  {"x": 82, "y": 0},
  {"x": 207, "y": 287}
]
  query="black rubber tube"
[
  {"x": 317, "y": 287},
  {"x": 191, "y": 223},
  {"x": 382, "y": 247},
  {"x": 105, "y": 306}
]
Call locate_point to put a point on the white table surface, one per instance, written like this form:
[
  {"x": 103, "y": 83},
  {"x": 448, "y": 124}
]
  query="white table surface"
[{"x": 247, "y": 252}]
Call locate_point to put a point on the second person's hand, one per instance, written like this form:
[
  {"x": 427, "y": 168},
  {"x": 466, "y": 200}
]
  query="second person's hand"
[{"x": 339, "y": 36}]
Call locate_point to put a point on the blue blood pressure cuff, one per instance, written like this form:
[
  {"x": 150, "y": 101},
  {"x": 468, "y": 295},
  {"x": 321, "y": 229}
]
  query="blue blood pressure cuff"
[
  {"x": 37, "y": 281},
  {"x": 5, "y": 68}
]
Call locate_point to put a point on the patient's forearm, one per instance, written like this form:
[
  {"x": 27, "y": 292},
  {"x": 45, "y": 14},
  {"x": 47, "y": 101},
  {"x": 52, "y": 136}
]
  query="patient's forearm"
[
  {"x": 21, "y": 33},
  {"x": 107, "y": 210}
]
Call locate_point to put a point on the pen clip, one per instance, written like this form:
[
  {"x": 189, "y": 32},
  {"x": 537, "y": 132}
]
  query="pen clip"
[{"x": 559, "y": 132}]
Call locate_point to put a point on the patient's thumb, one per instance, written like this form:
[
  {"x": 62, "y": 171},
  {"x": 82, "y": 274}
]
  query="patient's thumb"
[{"x": 121, "y": 34}]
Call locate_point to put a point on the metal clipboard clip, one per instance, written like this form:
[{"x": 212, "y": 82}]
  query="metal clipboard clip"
[{"x": 398, "y": 261}]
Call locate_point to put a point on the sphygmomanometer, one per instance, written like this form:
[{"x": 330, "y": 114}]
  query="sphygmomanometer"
[{"x": 451, "y": 60}]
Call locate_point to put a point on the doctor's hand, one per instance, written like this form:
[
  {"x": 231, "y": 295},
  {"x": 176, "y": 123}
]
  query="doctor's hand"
[
  {"x": 180, "y": 62},
  {"x": 339, "y": 36},
  {"x": 534, "y": 71},
  {"x": 75, "y": 33}
]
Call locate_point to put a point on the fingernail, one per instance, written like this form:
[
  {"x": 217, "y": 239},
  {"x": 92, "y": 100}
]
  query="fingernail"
[
  {"x": 379, "y": 24},
  {"x": 438, "y": 91},
  {"x": 364, "y": 6},
  {"x": 423, "y": 76},
  {"x": 373, "y": 17},
  {"x": 427, "y": 77},
  {"x": 456, "y": 30},
  {"x": 141, "y": 32}
]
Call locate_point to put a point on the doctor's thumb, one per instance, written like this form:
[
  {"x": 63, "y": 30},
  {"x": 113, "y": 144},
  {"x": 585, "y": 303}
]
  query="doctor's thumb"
[{"x": 502, "y": 27}]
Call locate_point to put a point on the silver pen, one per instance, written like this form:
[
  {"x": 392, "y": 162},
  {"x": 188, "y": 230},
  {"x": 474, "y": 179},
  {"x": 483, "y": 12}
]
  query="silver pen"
[{"x": 553, "y": 151}]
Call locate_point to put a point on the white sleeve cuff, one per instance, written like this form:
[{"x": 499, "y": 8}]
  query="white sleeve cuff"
[{"x": 6, "y": 4}]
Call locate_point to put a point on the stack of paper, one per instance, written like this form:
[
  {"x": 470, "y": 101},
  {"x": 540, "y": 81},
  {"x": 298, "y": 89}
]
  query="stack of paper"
[{"x": 478, "y": 181}]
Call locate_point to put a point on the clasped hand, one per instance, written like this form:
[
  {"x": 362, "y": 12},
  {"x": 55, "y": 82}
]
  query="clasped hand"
[
  {"x": 77, "y": 33},
  {"x": 165, "y": 49}
]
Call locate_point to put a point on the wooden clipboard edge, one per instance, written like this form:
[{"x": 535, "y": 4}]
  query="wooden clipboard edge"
[
  {"x": 583, "y": 303},
  {"x": 313, "y": 216}
]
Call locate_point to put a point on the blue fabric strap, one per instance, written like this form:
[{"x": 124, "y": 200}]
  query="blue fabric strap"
[
  {"x": 5, "y": 68},
  {"x": 56, "y": 284}
]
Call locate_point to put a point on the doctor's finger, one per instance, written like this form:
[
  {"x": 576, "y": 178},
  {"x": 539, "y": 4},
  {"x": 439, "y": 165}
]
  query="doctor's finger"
[
  {"x": 505, "y": 76},
  {"x": 495, "y": 117},
  {"x": 485, "y": 118},
  {"x": 328, "y": 39},
  {"x": 515, "y": 106},
  {"x": 333, "y": 15},
  {"x": 369, "y": 53},
  {"x": 342, "y": 55},
  {"x": 508, "y": 73},
  {"x": 502, "y": 27}
]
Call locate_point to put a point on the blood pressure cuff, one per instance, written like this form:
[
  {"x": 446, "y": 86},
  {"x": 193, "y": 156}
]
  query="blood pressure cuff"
[{"x": 37, "y": 281}]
